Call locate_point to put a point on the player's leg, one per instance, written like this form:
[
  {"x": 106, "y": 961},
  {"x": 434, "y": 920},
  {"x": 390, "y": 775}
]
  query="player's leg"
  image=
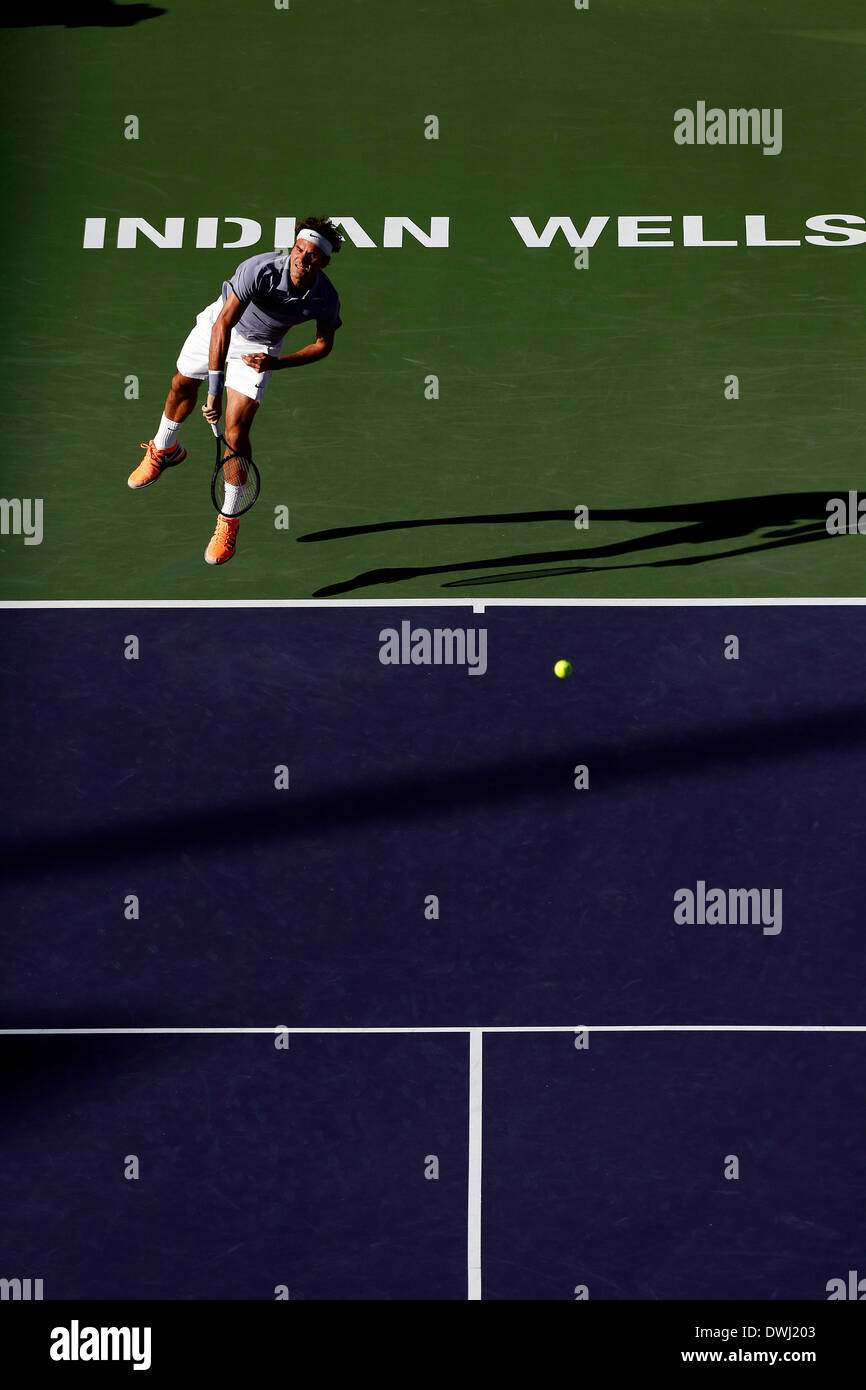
[
  {"x": 165, "y": 449},
  {"x": 180, "y": 401},
  {"x": 240, "y": 412}
]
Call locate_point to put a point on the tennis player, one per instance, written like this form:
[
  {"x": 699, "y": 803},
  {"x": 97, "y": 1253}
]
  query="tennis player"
[{"x": 236, "y": 345}]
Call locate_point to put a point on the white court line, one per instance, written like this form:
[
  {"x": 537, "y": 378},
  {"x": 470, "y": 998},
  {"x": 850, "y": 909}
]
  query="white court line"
[
  {"x": 473, "y": 1241},
  {"x": 476, "y": 604},
  {"x": 469, "y": 1028},
  {"x": 476, "y": 1038}
]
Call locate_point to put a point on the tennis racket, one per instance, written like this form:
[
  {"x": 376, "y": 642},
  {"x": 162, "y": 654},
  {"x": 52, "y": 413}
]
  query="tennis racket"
[{"x": 236, "y": 483}]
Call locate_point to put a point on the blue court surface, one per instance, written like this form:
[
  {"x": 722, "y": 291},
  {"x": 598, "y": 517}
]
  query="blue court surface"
[
  {"x": 257, "y": 823},
  {"x": 259, "y": 1168},
  {"x": 606, "y": 1169},
  {"x": 301, "y": 1173},
  {"x": 313, "y": 905}
]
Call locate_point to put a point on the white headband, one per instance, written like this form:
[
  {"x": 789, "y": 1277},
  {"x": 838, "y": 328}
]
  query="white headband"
[{"x": 316, "y": 238}]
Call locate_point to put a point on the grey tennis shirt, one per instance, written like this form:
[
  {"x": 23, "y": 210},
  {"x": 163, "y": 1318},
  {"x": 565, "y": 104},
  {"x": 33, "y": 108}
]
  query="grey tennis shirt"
[{"x": 274, "y": 304}]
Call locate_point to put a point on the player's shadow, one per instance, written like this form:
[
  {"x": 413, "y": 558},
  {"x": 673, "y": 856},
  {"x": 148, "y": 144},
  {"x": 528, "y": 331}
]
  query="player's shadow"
[
  {"x": 95, "y": 14},
  {"x": 401, "y": 798},
  {"x": 759, "y": 523}
]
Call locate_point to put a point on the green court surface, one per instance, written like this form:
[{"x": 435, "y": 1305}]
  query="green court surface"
[{"x": 558, "y": 386}]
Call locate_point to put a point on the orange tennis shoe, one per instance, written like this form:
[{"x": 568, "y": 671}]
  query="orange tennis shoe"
[
  {"x": 221, "y": 546},
  {"x": 154, "y": 461}
]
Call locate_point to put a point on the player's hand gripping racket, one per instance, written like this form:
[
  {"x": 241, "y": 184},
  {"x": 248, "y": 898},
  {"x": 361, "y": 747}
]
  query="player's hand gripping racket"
[{"x": 236, "y": 483}]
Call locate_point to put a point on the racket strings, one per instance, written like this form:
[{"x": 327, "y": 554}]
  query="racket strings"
[{"x": 236, "y": 485}]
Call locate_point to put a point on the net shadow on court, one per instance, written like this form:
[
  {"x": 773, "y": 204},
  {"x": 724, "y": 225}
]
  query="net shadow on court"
[{"x": 402, "y": 799}]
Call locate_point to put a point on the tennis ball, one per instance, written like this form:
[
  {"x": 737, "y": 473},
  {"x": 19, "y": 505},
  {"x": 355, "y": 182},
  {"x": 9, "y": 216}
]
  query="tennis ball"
[{"x": 562, "y": 669}]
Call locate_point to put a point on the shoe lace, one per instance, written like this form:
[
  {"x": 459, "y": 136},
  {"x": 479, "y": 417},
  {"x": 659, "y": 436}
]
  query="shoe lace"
[{"x": 226, "y": 534}]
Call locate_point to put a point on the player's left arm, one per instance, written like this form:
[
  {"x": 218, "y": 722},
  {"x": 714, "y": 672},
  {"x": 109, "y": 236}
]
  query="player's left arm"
[{"x": 314, "y": 352}]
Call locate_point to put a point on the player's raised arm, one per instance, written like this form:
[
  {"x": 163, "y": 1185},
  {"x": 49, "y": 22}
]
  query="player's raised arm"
[{"x": 220, "y": 336}]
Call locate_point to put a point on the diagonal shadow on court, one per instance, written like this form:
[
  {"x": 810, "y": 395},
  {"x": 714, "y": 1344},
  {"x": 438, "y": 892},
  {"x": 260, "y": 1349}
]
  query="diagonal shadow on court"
[
  {"x": 39, "y": 1071},
  {"x": 402, "y": 798},
  {"x": 96, "y": 14},
  {"x": 796, "y": 518}
]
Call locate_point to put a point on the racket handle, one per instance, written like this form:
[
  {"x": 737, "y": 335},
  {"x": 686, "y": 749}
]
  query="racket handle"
[{"x": 215, "y": 428}]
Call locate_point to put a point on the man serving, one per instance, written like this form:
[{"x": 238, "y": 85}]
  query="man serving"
[{"x": 236, "y": 345}]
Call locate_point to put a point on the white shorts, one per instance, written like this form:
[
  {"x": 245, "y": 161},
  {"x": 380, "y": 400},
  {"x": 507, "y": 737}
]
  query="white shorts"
[{"x": 194, "y": 355}]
